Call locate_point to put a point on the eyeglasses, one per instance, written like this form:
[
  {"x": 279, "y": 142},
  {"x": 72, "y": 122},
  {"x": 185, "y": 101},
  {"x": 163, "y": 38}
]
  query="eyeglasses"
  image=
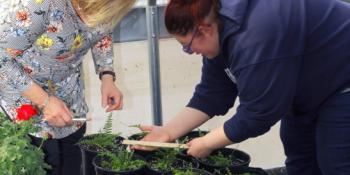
[{"x": 187, "y": 47}]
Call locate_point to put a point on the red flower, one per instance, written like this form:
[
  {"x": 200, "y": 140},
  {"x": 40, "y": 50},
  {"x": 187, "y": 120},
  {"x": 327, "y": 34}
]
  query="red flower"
[
  {"x": 25, "y": 112},
  {"x": 22, "y": 15}
]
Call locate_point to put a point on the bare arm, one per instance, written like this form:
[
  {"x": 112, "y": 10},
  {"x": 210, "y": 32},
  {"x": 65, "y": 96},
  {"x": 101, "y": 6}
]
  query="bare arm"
[{"x": 184, "y": 122}]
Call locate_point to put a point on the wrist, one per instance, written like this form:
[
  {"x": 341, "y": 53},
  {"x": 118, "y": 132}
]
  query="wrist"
[
  {"x": 44, "y": 103},
  {"x": 107, "y": 75}
]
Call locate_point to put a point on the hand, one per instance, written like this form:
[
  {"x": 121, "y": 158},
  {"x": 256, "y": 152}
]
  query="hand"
[
  {"x": 56, "y": 113},
  {"x": 199, "y": 148},
  {"x": 111, "y": 95},
  {"x": 156, "y": 133}
]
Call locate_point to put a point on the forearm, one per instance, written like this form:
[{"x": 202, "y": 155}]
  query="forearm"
[
  {"x": 184, "y": 122},
  {"x": 36, "y": 94},
  {"x": 217, "y": 138}
]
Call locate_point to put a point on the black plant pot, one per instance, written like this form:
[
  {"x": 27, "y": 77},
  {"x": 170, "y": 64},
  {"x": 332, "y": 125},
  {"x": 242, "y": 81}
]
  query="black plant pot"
[
  {"x": 102, "y": 171},
  {"x": 88, "y": 154},
  {"x": 191, "y": 135},
  {"x": 241, "y": 170},
  {"x": 238, "y": 158},
  {"x": 137, "y": 136},
  {"x": 196, "y": 171},
  {"x": 188, "y": 158},
  {"x": 178, "y": 164}
]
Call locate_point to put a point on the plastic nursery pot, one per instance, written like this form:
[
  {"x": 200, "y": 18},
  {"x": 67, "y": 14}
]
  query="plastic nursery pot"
[
  {"x": 188, "y": 158},
  {"x": 178, "y": 163},
  {"x": 139, "y": 136},
  {"x": 191, "y": 135},
  {"x": 224, "y": 158},
  {"x": 190, "y": 171},
  {"x": 97, "y": 161},
  {"x": 88, "y": 152},
  {"x": 241, "y": 170}
]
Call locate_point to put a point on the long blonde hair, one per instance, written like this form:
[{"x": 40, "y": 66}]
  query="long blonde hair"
[{"x": 108, "y": 12}]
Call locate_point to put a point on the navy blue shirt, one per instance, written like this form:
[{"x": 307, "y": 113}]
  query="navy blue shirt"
[{"x": 282, "y": 58}]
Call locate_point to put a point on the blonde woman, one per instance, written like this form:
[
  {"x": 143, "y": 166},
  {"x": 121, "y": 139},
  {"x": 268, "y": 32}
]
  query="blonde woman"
[{"x": 42, "y": 45}]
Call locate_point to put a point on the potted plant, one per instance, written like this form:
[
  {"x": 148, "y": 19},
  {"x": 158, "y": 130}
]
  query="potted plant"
[
  {"x": 191, "y": 135},
  {"x": 93, "y": 144},
  {"x": 233, "y": 170},
  {"x": 224, "y": 158},
  {"x": 17, "y": 154},
  {"x": 164, "y": 161},
  {"x": 190, "y": 171},
  {"x": 122, "y": 162},
  {"x": 139, "y": 136}
]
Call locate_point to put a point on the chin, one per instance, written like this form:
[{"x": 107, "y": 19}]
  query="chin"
[{"x": 211, "y": 56}]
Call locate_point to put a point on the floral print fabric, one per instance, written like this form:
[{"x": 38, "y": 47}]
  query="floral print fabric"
[{"x": 44, "y": 41}]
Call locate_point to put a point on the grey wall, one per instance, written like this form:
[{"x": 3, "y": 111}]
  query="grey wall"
[{"x": 133, "y": 26}]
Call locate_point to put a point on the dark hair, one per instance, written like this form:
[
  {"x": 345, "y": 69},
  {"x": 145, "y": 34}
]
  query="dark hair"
[{"x": 182, "y": 16}]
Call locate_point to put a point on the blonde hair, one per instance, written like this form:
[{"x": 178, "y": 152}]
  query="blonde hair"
[{"x": 107, "y": 12}]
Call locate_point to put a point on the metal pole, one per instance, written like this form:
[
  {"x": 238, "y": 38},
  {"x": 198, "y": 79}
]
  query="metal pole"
[{"x": 153, "y": 46}]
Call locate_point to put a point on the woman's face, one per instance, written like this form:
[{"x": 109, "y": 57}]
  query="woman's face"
[{"x": 203, "y": 40}]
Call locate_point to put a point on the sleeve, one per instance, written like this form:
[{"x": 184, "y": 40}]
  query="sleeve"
[
  {"x": 102, "y": 54},
  {"x": 266, "y": 92},
  {"x": 21, "y": 22},
  {"x": 216, "y": 93}
]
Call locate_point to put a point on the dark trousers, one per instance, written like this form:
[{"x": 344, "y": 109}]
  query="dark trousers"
[
  {"x": 319, "y": 145},
  {"x": 63, "y": 155}
]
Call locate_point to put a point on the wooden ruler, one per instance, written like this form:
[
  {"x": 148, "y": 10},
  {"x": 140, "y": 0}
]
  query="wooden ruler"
[{"x": 154, "y": 144}]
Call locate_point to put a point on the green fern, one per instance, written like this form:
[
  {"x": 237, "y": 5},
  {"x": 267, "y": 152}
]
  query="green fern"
[
  {"x": 108, "y": 125},
  {"x": 103, "y": 141},
  {"x": 121, "y": 161}
]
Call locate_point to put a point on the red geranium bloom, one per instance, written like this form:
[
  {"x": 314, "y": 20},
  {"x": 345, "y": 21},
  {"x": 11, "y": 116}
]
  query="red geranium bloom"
[{"x": 25, "y": 112}]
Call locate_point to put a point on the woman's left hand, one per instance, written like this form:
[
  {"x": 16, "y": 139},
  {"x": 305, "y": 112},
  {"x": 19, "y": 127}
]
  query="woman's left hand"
[
  {"x": 112, "y": 97},
  {"x": 199, "y": 148}
]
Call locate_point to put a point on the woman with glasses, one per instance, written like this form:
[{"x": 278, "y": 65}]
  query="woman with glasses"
[
  {"x": 42, "y": 46},
  {"x": 286, "y": 60}
]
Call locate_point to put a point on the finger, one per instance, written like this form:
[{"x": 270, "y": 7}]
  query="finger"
[
  {"x": 104, "y": 100},
  {"x": 189, "y": 152},
  {"x": 115, "y": 103},
  {"x": 67, "y": 116},
  {"x": 55, "y": 121},
  {"x": 146, "y": 127}
]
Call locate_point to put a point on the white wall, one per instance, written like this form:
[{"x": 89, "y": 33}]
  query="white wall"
[{"x": 179, "y": 74}]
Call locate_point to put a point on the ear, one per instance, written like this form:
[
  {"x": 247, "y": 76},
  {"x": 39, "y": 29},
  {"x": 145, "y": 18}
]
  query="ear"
[{"x": 207, "y": 29}]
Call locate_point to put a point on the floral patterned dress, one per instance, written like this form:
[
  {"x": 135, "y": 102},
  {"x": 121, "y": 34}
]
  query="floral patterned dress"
[{"x": 44, "y": 41}]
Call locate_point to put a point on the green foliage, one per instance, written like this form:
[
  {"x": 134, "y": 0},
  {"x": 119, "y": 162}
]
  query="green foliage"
[
  {"x": 108, "y": 125},
  {"x": 103, "y": 141},
  {"x": 99, "y": 142},
  {"x": 219, "y": 160},
  {"x": 164, "y": 159},
  {"x": 138, "y": 136},
  {"x": 184, "y": 172},
  {"x": 122, "y": 160},
  {"x": 17, "y": 155}
]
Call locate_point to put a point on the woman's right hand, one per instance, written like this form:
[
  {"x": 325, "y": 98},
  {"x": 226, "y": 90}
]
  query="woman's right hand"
[
  {"x": 156, "y": 134},
  {"x": 56, "y": 113}
]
